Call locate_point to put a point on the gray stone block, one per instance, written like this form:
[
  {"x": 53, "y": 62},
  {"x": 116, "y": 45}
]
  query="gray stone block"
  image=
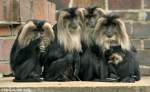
[
  {"x": 143, "y": 57},
  {"x": 146, "y": 44},
  {"x": 141, "y": 30}
]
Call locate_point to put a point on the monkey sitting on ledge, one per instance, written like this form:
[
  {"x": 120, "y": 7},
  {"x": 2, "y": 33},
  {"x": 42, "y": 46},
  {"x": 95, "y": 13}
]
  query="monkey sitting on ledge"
[
  {"x": 92, "y": 64},
  {"x": 122, "y": 66},
  {"x": 63, "y": 59},
  {"x": 29, "y": 49},
  {"x": 110, "y": 33}
]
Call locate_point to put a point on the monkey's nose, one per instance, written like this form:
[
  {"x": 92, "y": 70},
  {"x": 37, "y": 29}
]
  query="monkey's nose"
[
  {"x": 109, "y": 33},
  {"x": 92, "y": 24}
]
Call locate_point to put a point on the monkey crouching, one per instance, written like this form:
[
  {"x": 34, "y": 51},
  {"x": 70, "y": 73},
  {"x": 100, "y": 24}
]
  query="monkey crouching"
[
  {"x": 122, "y": 66},
  {"x": 27, "y": 52}
]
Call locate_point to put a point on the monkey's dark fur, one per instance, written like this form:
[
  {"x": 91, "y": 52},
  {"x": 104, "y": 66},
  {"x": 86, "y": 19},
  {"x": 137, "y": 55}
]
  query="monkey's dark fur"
[
  {"x": 85, "y": 44},
  {"x": 28, "y": 50},
  {"x": 117, "y": 48},
  {"x": 122, "y": 65},
  {"x": 92, "y": 64},
  {"x": 63, "y": 58}
]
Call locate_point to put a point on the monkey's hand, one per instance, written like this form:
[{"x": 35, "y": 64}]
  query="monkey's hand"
[{"x": 35, "y": 43}]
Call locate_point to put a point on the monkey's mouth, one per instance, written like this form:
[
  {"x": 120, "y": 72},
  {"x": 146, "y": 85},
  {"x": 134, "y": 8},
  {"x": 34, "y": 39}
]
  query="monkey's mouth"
[
  {"x": 72, "y": 29},
  {"x": 112, "y": 40},
  {"x": 113, "y": 43},
  {"x": 73, "y": 25}
]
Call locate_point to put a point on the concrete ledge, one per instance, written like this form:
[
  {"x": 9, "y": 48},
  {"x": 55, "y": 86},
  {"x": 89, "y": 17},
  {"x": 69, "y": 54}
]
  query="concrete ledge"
[{"x": 6, "y": 85}]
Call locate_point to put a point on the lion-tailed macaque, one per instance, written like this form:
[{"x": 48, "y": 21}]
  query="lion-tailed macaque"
[
  {"x": 92, "y": 64},
  {"x": 31, "y": 43},
  {"x": 63, "y": 62},
  {"x": 110, "y": 34}
]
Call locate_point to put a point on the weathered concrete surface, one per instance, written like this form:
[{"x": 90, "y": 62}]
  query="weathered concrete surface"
[{"x": 6, "y": 85}]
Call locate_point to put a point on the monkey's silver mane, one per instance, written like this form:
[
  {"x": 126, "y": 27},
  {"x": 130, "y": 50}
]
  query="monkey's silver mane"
[
  {"x": 120, "y": 38},
  {"x": 26, "y": 34},
  {"x": 68, "y": 37}
]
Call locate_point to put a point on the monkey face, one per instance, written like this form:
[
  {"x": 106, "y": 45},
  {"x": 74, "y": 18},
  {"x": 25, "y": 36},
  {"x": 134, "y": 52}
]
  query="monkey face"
[
  {"x": 71, "y": 22},
  {"x": 110, "y": 30},
  {"x": 110, "y": 26},
  {"x": 35, "y": 29},
  {"x": 91, "y": 15},
  {"x": 70, "y": 18},
  {"x": 69, "y": 28},
  {"x": 90, "y": 20},
  {"x": 38, "y": 31},
  {"x": 115, "y": 58}
]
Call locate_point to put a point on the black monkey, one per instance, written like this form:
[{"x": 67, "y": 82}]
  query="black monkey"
[
  {"x": 92, "y": 64},
  {"x": 110, "y": 32},
  {"x": 122, "y": 65},
  {"x": 27, "y": 52},
  {"x": 63, "y": 59}
]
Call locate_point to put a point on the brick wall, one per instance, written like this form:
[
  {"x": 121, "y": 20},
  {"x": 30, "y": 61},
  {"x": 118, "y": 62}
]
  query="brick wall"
[
  {"x": 136, "y": 14},
  {"x": 12, "y": 14}
]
